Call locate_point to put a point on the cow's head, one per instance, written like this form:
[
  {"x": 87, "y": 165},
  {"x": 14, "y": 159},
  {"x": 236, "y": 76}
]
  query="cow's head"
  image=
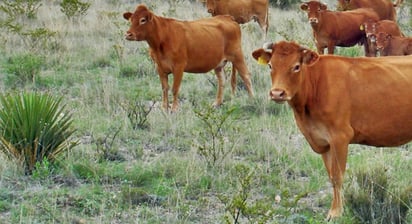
[
  {"x": 211, "y": 6},
  {"x": 314, "y": 9},
  {"x": 369, "y": 27},
  {"x": 382, "y": 40},
  {"x": 139, "y": 20},
  {"x": 287, "y": 62}
]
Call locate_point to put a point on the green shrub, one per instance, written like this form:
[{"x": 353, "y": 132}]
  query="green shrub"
[
  {"x": 284, "y": 4},
  {"x": 14, "y": 8},
  {"x": 23, "y": 68},
  {"x": 74, "y": 8},
  {"x": 34, "y": 127}
]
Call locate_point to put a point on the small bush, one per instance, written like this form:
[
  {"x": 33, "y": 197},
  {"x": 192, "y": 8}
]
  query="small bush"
[
  {"x": 23, "y": 68},
  {"x": 34, "y": 127}
]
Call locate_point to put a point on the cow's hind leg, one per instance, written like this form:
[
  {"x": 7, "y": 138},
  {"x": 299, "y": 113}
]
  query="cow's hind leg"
[{"x": 240, "y": 66}]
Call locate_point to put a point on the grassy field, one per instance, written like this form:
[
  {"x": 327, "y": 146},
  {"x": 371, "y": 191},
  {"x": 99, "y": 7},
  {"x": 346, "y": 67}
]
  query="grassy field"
[{"x": 245, "y": 162}]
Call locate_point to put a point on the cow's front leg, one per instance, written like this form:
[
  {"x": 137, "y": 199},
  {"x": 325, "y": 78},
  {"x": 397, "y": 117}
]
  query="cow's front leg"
[
  {"x": 335, "y": 162},
  {"x": 165, "y": 89},
  {"x": 331, "y": 47},
  {"x": 177, "y": 80},
  {"x": 220, "y": 86}
]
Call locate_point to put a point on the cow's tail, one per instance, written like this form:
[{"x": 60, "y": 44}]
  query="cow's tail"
[
  {"x": 233, "y": 80},
  {"x": 397, "y": 3}
]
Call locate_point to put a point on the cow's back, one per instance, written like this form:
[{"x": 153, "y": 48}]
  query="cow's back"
[
  {"x": 384, "y": 8},
  {"x": 221, "y": 33}
]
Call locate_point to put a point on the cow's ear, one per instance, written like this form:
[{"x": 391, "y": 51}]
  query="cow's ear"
[
  {"x": 304, "y": 6},
  {"x": 323, "y": 6},
  {"x": 309, "y": 57},
  {"x": 261, "y": 56},
  {"x": 127, "y": 15}
]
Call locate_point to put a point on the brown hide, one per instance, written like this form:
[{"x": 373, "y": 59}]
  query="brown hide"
[
  {"x": 339, "y": 101},
  {"x": 242, "y": 10},
  {"x": 372, "y": 29},
  {"x": 189, "y": 46},
  {"x": 332, "y": 29},
  {"x": 384, "y": 8},
  {"x": 389, "y": 45}
]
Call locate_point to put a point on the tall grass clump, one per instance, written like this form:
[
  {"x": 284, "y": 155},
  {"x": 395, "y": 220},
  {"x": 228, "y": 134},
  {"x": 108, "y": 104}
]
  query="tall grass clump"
[
  {"x": 372, "y": 200},
  {"x": 34, "y": 127}
]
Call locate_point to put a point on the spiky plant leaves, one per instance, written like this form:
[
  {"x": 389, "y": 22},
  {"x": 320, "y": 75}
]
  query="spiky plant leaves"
[{"x": 33, "y": 127}]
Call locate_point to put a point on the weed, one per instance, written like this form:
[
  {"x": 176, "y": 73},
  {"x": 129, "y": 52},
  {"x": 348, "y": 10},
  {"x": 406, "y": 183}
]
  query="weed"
[
  {"x": 213, "y": 143},
  {"x": 23, "y": 68}
]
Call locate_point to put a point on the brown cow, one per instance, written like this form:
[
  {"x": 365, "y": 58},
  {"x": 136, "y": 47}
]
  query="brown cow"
[
  {"x": 332, "y": 29},
  {"x": 388, "y": 44},
  {"x": 189, "y": 46},
  {"x": 339, "y": 101},
  {"x": 242, "y": 10},
  {"x": 384, "y": 8},
  {"x": 372, "y": 29}
]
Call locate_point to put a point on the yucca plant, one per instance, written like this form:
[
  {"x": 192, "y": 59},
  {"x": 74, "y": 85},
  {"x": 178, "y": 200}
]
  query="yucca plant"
[{"x": 34, "y": 127}]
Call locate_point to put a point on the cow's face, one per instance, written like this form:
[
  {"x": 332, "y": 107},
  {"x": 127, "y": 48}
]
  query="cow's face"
[
  {"x": 370, "y": 30},
  {"x": 211, "y": 6},
  {"x": 382, "y": 40},
  {"x": 314, "y": 9},
  {"x": 286, "y": 61},
  {"x": 139, "y": 26}
]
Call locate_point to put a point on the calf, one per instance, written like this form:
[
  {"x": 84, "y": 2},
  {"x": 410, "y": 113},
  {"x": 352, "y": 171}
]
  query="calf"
[
  {"x": 242, "y": 10},
  {"x": 372, "y": 29},
  {"x": 189, "y": 46},
  {"x": 339, "y": 101},
  {"x": 332, "y": 29},
  {"x": 388, "y": 44}
]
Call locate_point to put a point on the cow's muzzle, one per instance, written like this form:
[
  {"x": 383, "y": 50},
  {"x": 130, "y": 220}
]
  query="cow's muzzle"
[
  {"x": 313, "y": 20},
  {"x": 129, "y": 36},
  {"x": 278, "y": 95}
]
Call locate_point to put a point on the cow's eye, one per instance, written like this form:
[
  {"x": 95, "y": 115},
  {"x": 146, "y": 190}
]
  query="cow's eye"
[
  {"x": 296, "y": 68},
  {"x": 142, "y": 21},
  {"x": 270, "y": 66}
]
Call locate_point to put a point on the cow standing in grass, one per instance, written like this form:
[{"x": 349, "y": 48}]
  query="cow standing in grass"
[
  {"x": 339, "y": 101},
  {"x": 332, "y": 29},
  {"x": 189, "y": 46}
]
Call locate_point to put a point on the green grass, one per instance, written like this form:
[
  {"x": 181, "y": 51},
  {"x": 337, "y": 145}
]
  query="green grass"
[{"x": 157, "y": 174}]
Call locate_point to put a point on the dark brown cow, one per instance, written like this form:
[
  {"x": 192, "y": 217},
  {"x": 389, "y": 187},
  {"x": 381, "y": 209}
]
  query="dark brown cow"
[
  {"x": 372, "y": 29},
  {"x": 384, "y": 8},
  {"x": 242, "y": 10},
  {"x": 332, "y": 29},
  {"x": 189, "y": 46},
  {"x": 388, "y": 44},
  {"x": 339, "y": 101}
]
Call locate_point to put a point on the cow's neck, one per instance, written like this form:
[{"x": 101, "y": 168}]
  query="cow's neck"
[
  {"x": 157, "y": 38},
  {"x": 303, "y": 100}
]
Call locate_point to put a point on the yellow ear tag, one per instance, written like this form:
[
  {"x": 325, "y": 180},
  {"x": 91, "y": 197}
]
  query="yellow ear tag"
[
  {"x": 262, "y": 61},
  {"x": 361, "y": 27}
]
